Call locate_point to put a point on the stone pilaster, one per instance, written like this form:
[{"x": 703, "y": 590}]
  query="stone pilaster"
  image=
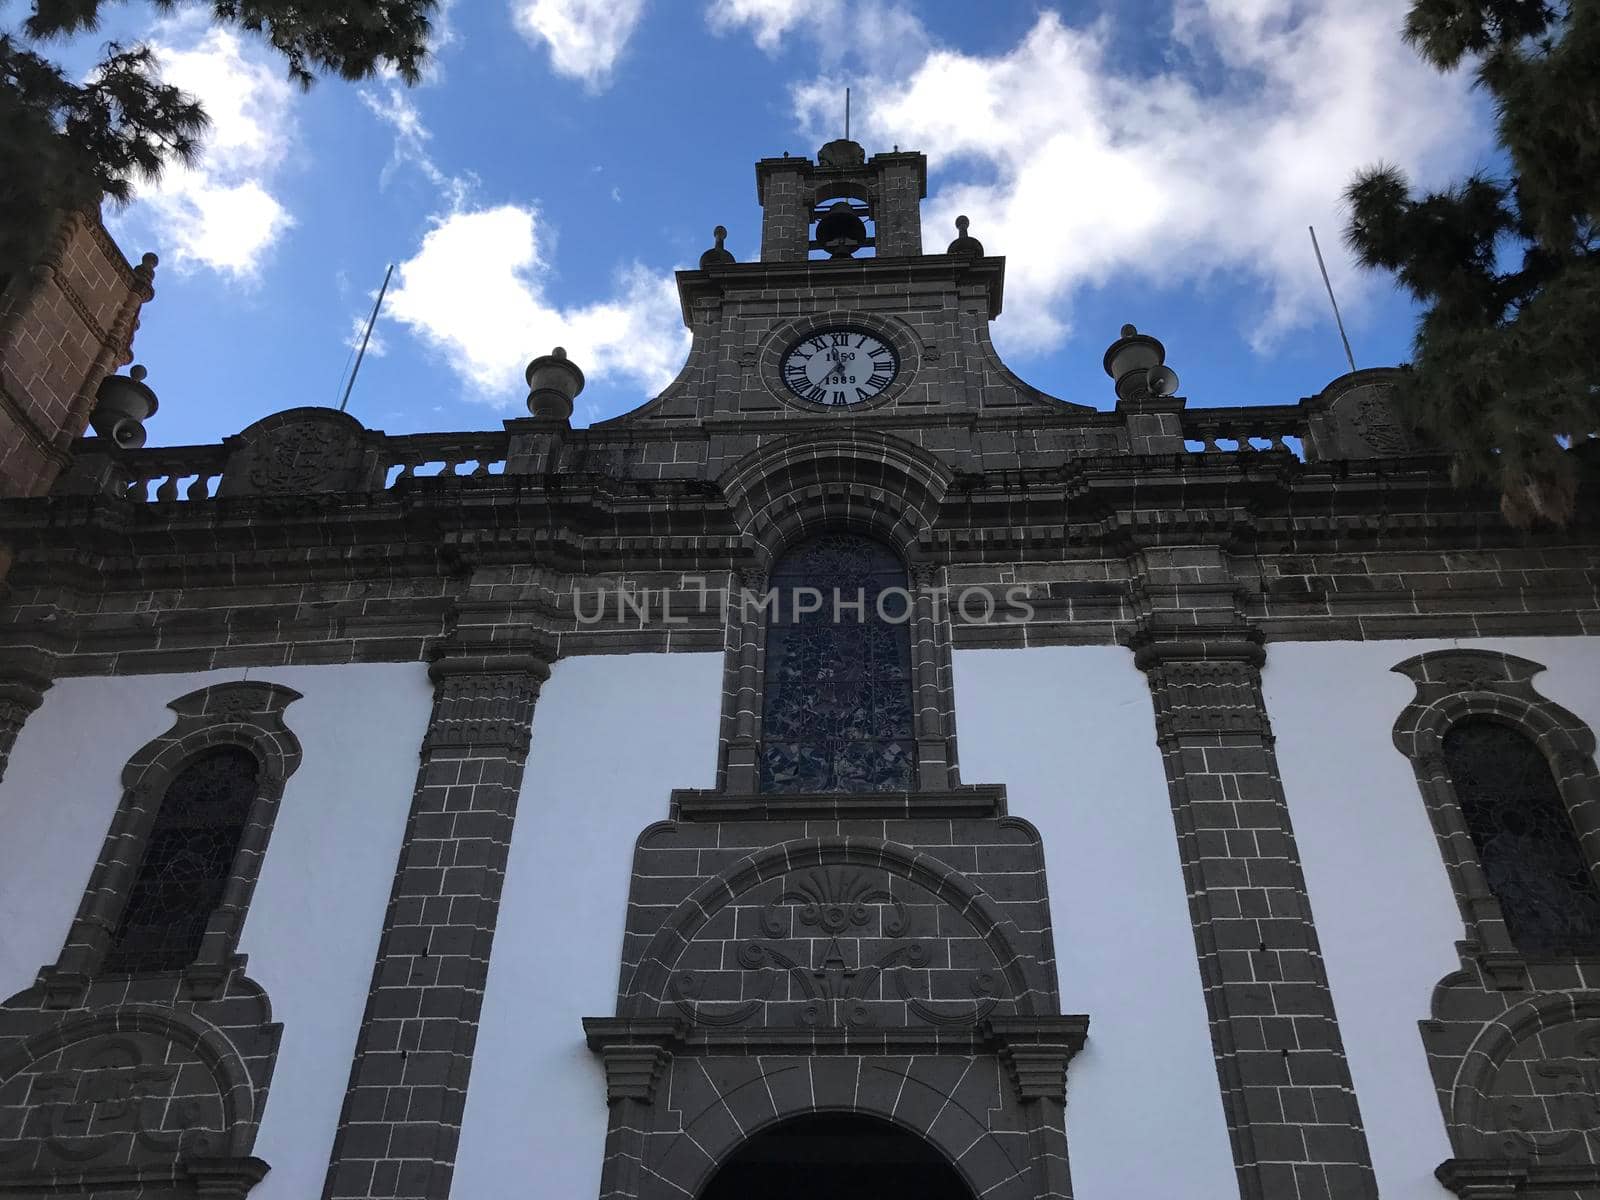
[
  {"x": 785, "y": 208},
  {"x": 635, "y": 1055},
  {"x": 24, "y": 679},
  {"x": 401, "y": 1119},
  {"x": 1035, "y": 1052},
  {"x": 1286, "y": 1089}
]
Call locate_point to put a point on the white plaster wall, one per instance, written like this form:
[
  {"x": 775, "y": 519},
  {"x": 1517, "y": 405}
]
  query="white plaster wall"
[
  {"x": 314, "y": 922},
  {"x": 612, "y": 736},
  {"x": 1386, "y": 916},
  {"x": 1071, "y": 733}
]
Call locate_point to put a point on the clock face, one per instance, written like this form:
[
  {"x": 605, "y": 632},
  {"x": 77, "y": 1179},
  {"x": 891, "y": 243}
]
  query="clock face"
[{"x": 839, "y": 367}]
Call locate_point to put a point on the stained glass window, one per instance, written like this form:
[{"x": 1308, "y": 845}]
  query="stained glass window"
[
  {"x": 1524, "y": 838},
  {"x": 186, "y": 863},
  {"x": 837, "y": 714}
]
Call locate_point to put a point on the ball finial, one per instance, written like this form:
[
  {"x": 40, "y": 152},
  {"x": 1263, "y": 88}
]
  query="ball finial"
[
  {"x": 718, "y": 254},
  {"x": 962, "y": 223},
  {"x": 1128, "y": 331}
]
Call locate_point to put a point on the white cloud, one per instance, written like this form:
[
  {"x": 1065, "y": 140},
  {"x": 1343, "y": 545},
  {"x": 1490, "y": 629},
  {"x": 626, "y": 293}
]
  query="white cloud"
[
  {"x": 475, "y": 292},
  {"x": 395, "y": 108},
  {"x": 1085, "y": 166},
  {"x": 767, "y": 20},
  {"x": 584, "y": 37},
  {"x": 221, "y": 213}
]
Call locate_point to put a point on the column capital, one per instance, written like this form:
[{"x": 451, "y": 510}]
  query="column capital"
[
  {"x": 1483, "y": 1179},
  {"x": 1036, "y": 1051},
  {"x": 1231, "y": 643},
  {"x": 632, "y": 1072},
  {"x": 485, "y": 639},
  {"x": 26, "y": 674},
  {"x": 635, "y": 1053},
  {"x": 453, "y": 665}
]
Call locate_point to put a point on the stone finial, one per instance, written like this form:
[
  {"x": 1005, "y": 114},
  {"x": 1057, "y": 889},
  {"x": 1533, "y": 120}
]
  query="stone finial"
[
  {"x": 841, "y": 152},
  {"x": 553, "y": 384},
  {"x": 965, "y": 245},
  {"x": 718, "y": 254},
  {"x": 1137, "y": 362},
  {"x": 123, "y": 403}
]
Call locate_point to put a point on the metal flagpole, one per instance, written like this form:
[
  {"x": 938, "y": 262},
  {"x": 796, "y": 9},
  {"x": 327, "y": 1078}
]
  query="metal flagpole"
[
  {"x": 366, "y": 337},
  {"x": 1338, "y": 320}
]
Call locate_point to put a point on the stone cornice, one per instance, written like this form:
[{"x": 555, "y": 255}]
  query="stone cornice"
[
  {"x": 1061, "y": 1035},
  {"x": 726, "y": 283}
]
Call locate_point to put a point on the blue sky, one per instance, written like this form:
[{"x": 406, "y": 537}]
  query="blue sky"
[{"x": 1145, "y": 161}]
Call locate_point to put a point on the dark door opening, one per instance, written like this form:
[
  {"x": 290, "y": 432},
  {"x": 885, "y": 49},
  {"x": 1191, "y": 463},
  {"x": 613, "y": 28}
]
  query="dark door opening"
[{"x": 836, "y": 1157}]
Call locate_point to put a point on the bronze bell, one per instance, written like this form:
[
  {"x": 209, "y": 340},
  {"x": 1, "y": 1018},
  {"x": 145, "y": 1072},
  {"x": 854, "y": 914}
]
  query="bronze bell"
[{"x": 841, "y": 232}]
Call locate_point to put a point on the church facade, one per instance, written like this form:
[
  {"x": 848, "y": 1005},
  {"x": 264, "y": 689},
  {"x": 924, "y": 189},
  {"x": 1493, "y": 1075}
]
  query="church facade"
[{"x": 852, "y": 772}]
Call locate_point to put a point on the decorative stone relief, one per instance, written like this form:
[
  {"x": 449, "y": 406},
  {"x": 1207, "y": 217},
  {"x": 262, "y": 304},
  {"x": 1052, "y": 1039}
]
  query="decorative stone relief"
[
  {"x": 1354, "y": 417},
  {"x": 131, "y": 1093},
  {"x": 840, "y": 948},
  {"x": 299, "y": 451},
  {"x": 1547, "y": 1101},
  {"x": 854, "y": 935}
]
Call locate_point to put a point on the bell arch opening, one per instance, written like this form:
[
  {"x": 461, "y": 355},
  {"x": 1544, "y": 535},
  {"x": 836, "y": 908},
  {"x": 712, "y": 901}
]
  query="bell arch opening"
[{"x": 843, "y": 1156}]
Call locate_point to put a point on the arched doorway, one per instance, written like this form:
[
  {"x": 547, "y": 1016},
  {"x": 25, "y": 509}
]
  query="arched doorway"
[{"x": 840, "y": 1156}]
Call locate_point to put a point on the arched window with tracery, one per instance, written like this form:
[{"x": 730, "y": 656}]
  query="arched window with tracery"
[
  {"x": 186, "y": 864},
  {"x": 837, "y": 692},
  {"x": 1524, "y": 838}
]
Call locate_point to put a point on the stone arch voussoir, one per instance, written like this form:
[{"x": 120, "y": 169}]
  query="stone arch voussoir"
[
  {"x": 960, "y": 1134},
  {"x": 872, "y": 482}
]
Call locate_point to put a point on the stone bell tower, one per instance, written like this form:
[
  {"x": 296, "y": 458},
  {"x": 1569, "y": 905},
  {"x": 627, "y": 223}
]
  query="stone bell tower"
[
  {"x": 64, "y": 326},
  {"x": 841, "y": 203}
]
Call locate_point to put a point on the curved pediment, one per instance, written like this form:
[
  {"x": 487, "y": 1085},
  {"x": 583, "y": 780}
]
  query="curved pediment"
[
  {"x": 836, "y": 932},
  {"x": 133, "y": 1084}
]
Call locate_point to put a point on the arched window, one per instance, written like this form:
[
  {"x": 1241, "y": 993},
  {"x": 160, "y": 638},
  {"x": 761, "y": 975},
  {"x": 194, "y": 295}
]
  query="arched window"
[
  {"x": 1525, "y": 841},
  {"x": 186, "y": 864},
  {"x": 837, "y": 712}
]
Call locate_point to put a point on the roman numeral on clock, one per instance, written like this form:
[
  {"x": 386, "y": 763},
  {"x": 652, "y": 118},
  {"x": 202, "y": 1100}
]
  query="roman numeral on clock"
[{"x": 878, "y": 381}]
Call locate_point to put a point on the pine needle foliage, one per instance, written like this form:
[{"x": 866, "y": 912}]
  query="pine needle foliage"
[
  {"x": 67, "y": 145},
  {"x": 1507, "y": 353}
]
